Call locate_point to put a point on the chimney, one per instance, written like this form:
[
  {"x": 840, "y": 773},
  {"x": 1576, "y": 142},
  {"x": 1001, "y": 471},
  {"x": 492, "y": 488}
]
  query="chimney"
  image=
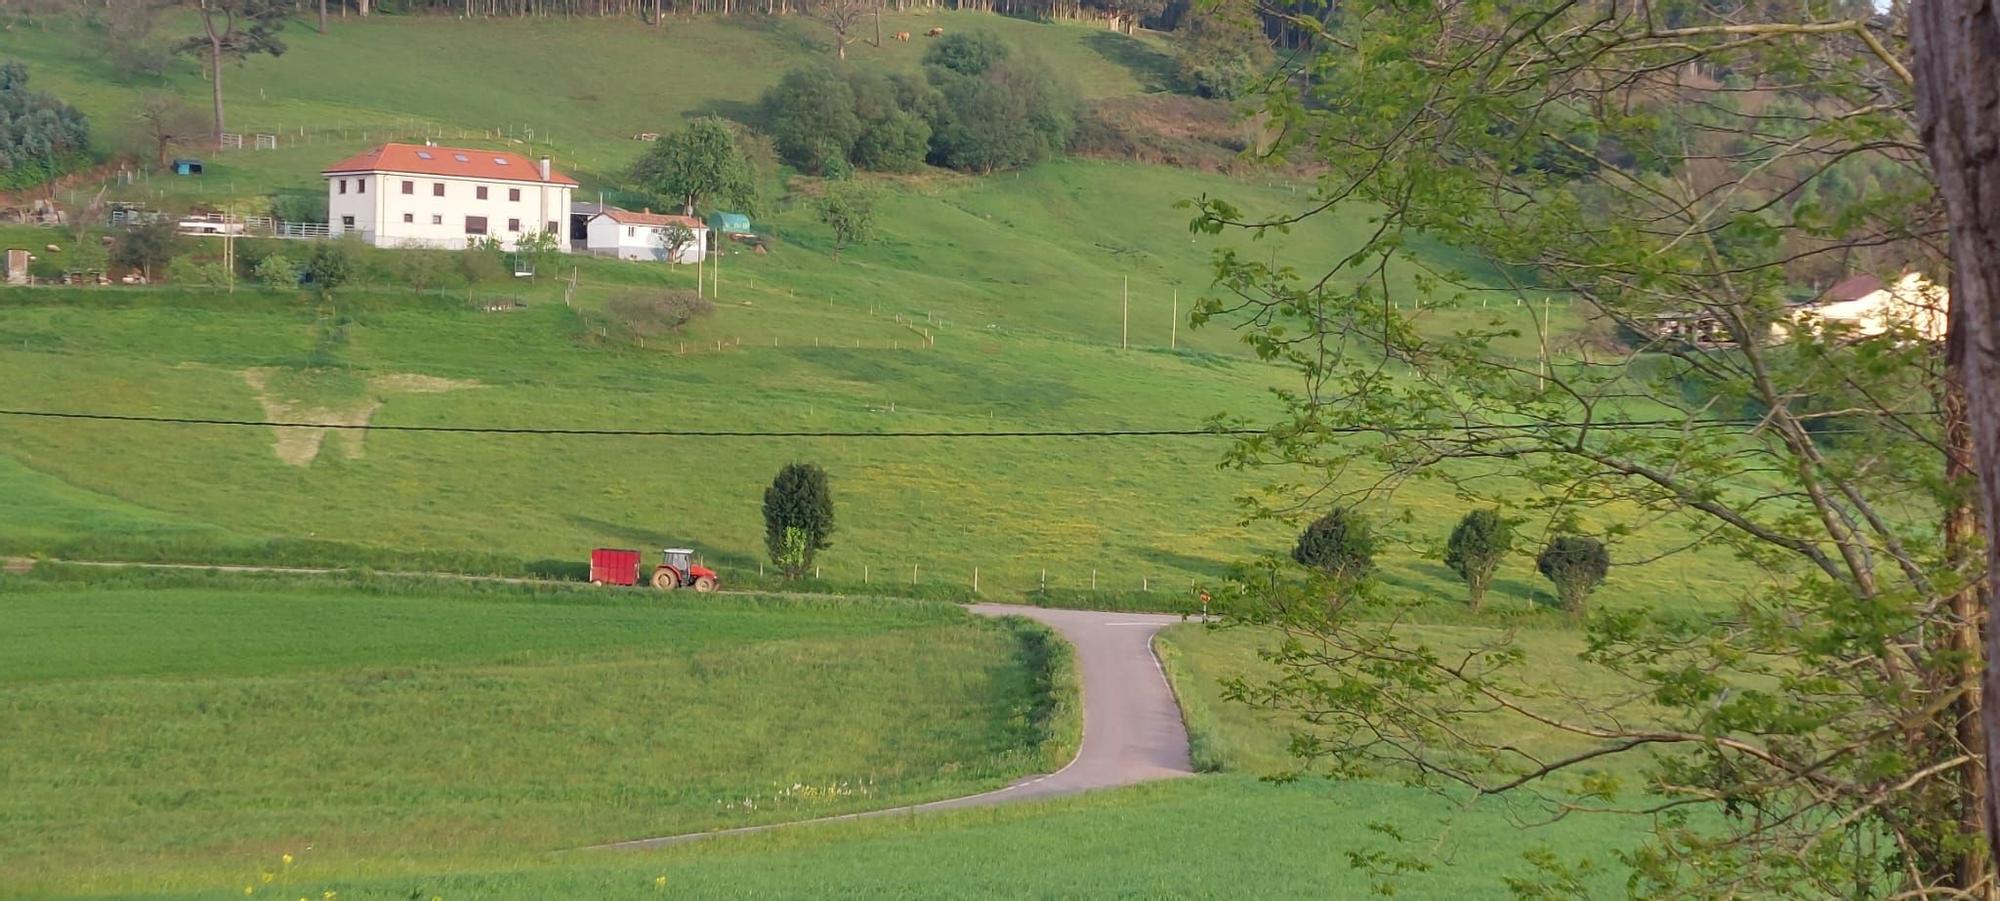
[
  {"x": 545, "y": 168},
  {"x": 649, "y": 211}
]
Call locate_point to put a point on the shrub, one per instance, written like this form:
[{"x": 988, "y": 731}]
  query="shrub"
[
  {"x": 1576, "y": 564},
  {"x": 330, "y": 266},
  {"x": 1477, "y": 545},
  {"x": 1339, "y": 544},
  {"x": 188, "y": 272},
  {"x": 798, "y": 500},
  {"x": 650, "y": 314},
  {"x": 275, "y": 271}
]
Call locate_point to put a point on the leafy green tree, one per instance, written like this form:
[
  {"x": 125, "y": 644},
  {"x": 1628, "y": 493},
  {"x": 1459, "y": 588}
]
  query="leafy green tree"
[
  {"x": 329, "y": 266},
  {"x": 897, "y": 142},
  {"x": 849, "y": 209},
  {"x": 1478, "y": 543},
  {"x": 40, "y": 137},
  {"x": 234, "y": 30},
  {"x": 422, "y": 267},
  {"x": 997, "y": 109},
  {"x": 697, "y": 164},
  {"x": 798, "y": 500},
  {"x": 1220, "y": 50},
  {"x": 1576, "y": 565},
  {"x": 148, "y": 248},
  {"x": 1339, "y": 544},
  {"x": 812, "y": 118},
  {"x": 1809, "y": 727},
  {"x": 541, "y": 248},
  {"x": 479, "y": 264},
  {"x": 277, "y": 272}
]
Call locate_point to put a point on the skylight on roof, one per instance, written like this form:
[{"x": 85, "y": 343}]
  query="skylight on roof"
[
  {"x": 460, "y": 157},
  {"x": 499, "y": 161},
  {"x": 423, "y": 154}
]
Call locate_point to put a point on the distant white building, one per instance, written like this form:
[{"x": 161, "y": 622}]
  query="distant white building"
[
  {"x": 419, "y": 195},
  {"x": 1865, "y": 306},
  {"x": 646, "y": 236}
]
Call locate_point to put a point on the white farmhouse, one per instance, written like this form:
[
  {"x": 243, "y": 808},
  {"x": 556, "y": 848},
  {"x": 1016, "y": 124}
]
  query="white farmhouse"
[
  {"x": 1864, "y": 306},
  {"x": 646, "y": 236},
  {"x": 420, "y": 195}
]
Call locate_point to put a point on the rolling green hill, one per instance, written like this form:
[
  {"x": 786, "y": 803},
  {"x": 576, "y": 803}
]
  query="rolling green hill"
[{"x": 997, "y": 303}]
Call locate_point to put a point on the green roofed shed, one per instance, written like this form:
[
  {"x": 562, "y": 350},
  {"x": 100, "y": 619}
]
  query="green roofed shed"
[{"x": 729, "y": 223}]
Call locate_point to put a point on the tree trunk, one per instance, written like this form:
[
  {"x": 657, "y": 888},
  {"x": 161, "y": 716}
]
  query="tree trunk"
[
  {"x": 215, "y": 83},
  {"x": 878, "y": 24},
  {"x": 1957, "y": 55},
  {"x": 322, "y": 16}
]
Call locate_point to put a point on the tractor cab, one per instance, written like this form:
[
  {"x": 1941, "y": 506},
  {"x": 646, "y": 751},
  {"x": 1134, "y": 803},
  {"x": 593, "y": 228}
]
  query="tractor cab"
[{"x": 677, "y": 569}]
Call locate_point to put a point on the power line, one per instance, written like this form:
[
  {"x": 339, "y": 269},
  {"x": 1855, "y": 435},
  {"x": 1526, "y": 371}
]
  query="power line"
[
  {"x": 1216, "y": 432},
  {"x": 638, "y": 433}
]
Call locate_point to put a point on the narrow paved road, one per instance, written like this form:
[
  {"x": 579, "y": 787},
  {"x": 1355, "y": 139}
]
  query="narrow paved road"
[{"x": 1132, "y": 729}]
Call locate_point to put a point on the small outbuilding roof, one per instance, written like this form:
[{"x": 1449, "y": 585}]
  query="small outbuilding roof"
[
  {"x": 627, "y": 217},
  {"x": 1853, "y": 287},
  {"x": 729, "y": 222},
  {"x": 424, "y": 159}
]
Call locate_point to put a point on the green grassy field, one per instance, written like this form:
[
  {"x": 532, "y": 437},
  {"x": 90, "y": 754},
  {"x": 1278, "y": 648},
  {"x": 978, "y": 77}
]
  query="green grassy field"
[
  {"x": 168, "y": 731},
  {"x": 179, "y": 737},
  {"x": 996, "y": 303},
  {"x": 1212, "y": 837}
]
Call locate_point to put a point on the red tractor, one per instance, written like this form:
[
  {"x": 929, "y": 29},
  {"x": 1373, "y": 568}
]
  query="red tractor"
[{"x": 677, "y": 569}]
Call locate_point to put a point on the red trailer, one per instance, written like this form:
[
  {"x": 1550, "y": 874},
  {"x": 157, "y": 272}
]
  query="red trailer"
[{"x": 614, "y": 566}]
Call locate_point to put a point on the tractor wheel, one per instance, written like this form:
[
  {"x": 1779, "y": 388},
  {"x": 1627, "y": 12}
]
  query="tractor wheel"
[
  {"x": 704, "y": 584},
  {"x": 665, "y": 579}
]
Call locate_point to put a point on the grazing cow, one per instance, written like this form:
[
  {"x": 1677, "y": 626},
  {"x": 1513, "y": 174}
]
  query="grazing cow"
[
  {"x": 934, "y": 33},
  {"x": 903, "y": 36}
]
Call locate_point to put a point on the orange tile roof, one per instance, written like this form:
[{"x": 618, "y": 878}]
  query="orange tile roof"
[
  {"x": 419, "y": 159},
  {"x": 627, "y": 217}
]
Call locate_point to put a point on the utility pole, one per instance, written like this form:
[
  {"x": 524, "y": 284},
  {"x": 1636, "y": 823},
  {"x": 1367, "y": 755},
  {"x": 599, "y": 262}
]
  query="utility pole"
[
  {"x": 1174, "y": 324},
  {"x": 1542, "y": 377},
  {"x": 1125, "y": 318}
]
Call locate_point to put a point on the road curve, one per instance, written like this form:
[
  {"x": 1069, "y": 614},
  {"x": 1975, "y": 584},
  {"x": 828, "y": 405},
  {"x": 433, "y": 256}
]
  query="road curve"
[{"x": 1132, "y": 730}]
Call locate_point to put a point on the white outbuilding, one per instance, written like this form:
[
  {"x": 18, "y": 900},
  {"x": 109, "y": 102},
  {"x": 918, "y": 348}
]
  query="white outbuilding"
[{"x": 646, "y": 236}]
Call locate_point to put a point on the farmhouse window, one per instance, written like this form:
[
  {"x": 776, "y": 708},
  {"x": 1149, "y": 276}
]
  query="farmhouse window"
[
  {"x": 631, "y": 232},
  {"x": 407, "y": 217},
  {"x": 437, "y": 219},
  {"x": 437, "y": 189},
  {"x": 479, "y": 192},
  {"x": 552, "y": 227},
  {"x": 343, "y": 186},
  {"x": 514, "y": 194},
  {"x": 513, "y": 225},
  {"x": 361, "y": 186},
  {"x": 475, "y": 225},
  {"x": 347, "y": 222},
  {"x": 409, "y": 187}
]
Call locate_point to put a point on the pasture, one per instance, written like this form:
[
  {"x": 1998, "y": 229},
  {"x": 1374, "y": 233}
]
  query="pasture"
[{"x": 171, "y": 730}]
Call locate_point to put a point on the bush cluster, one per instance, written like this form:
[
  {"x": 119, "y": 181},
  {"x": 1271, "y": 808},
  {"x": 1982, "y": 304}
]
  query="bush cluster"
[{"x": 978, "y": 106}]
